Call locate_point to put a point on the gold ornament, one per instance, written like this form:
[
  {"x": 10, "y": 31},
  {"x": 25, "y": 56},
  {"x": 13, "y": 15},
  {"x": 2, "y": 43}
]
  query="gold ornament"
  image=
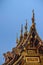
[
  {"x": 28, "y": 42},
  {"x": 31, "y": 36},
  {"x": 35, "y": 36}
]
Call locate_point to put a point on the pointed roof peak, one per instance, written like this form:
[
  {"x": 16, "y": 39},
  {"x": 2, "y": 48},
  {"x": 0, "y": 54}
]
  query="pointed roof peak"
[
  {"x": 33, "y": 17},
  {"x": 26, "y": 25},
  {"x": 33, "y": 11},
  {"x": 17, "y": 38},
  {"x": 21, "y": 29}
]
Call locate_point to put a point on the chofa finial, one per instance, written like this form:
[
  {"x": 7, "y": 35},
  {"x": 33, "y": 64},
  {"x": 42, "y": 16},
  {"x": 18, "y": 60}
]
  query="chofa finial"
[
  {"x": 17, "y": 38},
  {"x": 22, "y": 29},
  {"x": 33, "y": 18},
  {"x": 26, "y": 26}
]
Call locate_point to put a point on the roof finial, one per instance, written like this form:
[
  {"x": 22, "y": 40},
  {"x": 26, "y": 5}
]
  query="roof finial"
[
  {"x": 26, "y": 26},
  {"x": 22, "y": 29},
  {"x": 21, "y": 34},
  {"x": 33, "y": 19},
  {"x": 17, "y": 38}
]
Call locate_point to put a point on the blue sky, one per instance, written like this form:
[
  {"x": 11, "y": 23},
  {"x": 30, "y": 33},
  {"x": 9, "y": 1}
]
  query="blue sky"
[{"x": 13, "y": 13}]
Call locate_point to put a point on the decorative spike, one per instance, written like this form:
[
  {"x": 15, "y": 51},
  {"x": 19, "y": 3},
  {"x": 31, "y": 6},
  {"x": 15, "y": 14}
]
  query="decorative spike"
[
  {"x": 21, "y": 35},
  {"x": 25, "y": 34},
  {"x": 22, "y": 29},
  {"x": 26, "y": 26},
  {"x": 17, "y": 38},
  {"x": 33, "y": 19}
]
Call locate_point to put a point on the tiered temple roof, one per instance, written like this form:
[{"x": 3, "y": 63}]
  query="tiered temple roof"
[{"x": 29, "y": 49}]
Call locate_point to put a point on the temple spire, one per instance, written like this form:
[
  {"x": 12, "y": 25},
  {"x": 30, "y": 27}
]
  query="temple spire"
[
  {"x": 26, "y": 26},
  {"x": 22, "y": 29},
  {"x": 17, "y": 38},
  {"x": 25, "y": 34},
  {"x": 33, "y": 18},
  {"x": 21, "y": 34}
]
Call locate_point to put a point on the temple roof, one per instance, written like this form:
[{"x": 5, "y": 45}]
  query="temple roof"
[{"x": 28, "y": 41}]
